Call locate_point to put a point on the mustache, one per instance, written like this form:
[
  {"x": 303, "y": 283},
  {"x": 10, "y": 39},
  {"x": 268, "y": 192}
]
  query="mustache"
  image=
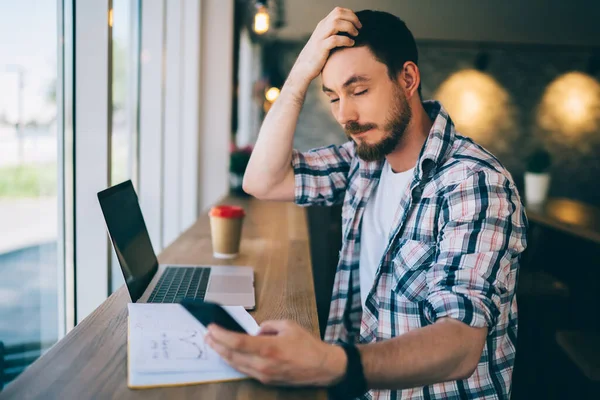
[{"x": 354, "y": 128}]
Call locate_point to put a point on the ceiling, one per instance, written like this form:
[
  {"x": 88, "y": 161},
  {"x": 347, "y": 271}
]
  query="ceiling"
[{"x": 562, "y": 22}]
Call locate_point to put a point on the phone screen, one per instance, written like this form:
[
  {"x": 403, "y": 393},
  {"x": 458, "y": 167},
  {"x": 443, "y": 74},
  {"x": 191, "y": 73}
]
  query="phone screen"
[{"x": 211, "y": 313}]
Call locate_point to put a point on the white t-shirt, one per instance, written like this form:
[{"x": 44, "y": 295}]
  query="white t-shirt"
[{"x": 377, "y": 223}]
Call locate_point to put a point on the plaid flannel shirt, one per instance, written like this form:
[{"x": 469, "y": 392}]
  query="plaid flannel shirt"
[{"x": 453, "y": 251}]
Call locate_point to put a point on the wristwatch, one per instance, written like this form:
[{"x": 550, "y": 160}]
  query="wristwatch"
[{"x": 353, "y": 384}]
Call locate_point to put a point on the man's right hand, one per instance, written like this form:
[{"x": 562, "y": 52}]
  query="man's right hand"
[
  {"x": 325, "y": 37},
  {"x": 269, "y": 174}
]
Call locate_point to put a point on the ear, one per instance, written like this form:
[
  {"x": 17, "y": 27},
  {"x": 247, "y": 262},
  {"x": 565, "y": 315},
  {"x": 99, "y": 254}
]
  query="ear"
[{"x": 409, "y": 79}]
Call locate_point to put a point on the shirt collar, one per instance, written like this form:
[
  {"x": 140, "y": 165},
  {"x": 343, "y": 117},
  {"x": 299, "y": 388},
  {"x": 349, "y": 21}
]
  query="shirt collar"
[{"x": 436, "y": 149}]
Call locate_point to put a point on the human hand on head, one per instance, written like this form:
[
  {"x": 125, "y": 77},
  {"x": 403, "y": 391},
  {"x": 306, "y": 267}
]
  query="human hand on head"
[{"x": 324, "y": 38}]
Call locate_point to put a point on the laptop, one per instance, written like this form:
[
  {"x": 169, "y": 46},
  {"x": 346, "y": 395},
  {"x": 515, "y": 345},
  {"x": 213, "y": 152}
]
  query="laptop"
[{"x": 226, "y": 285}]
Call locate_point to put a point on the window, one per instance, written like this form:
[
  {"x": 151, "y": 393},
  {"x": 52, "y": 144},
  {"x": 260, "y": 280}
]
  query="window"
[
  {"x": 125, "y": 65},
  {"x": 31, "y": 305},
  {"x": 72, "y": 123},
  {"x": 125, "y": 100}
]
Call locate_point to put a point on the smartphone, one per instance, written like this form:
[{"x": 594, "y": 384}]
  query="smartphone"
[{"x": 211, "y": 313}]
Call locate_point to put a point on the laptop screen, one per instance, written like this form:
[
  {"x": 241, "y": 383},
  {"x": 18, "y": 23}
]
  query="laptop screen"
[{"x": 129, "y": 237}]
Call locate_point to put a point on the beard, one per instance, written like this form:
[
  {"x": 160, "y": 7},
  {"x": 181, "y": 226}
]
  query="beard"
[{"x": 397, "y": 120}]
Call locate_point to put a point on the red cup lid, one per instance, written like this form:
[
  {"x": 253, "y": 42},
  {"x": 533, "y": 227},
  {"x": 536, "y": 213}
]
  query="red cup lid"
[{"x": 227, "y": 212}]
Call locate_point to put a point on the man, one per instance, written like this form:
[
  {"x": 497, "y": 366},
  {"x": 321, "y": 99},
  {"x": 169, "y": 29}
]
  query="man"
[{"x": 423, "y": 304}]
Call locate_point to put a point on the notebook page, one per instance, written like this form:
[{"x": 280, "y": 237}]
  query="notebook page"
[{"x": 166, "y": 338}]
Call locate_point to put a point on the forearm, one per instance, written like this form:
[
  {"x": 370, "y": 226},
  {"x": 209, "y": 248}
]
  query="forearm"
[
  {"x": 271, "y": 158},
  {"x": 269, "y": 169},
  {"x": 445, "y": 351}
]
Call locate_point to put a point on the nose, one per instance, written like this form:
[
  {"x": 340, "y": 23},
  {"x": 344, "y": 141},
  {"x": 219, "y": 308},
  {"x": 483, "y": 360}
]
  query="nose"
[{"x": 346, "y": 112}]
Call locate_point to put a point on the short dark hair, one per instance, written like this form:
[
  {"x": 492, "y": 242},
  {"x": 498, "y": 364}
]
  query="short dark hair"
[{"x": 388, "y": 38}]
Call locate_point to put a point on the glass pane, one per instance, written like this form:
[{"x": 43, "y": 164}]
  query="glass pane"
[
  {"x": 29, "y": 181},
  {"x": 123, "y": 90},
  {"x": 124, "y": 101}
]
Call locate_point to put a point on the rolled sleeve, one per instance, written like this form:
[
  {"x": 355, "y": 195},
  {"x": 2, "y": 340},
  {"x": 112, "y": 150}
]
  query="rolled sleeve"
[
  {"x": 321, "y": 175},
  {"x": 482, "y": 235}
]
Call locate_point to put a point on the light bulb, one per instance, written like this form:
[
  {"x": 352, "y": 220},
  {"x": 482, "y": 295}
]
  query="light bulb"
[
  {"x": 272, "y": 94},
  {"x": 261, "y": 20}
]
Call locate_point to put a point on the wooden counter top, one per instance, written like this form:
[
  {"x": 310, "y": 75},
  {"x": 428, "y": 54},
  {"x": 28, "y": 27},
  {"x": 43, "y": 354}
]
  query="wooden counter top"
[
  {"x": 570, "y": 216},
  {"x": 90, "y": 361}
]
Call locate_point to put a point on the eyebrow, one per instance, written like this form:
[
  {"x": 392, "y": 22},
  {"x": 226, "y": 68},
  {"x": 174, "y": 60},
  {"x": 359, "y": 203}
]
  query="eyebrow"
[{"x": 352, "y": 80}]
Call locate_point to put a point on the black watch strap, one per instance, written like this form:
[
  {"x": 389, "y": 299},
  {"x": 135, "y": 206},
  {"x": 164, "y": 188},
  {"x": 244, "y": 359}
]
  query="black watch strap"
[{"x": 354, "y": 383}]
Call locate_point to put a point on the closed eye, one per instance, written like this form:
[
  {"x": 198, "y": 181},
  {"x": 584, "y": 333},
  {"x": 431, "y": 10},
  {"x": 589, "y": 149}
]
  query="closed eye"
[{"x": 355, "y": 94}]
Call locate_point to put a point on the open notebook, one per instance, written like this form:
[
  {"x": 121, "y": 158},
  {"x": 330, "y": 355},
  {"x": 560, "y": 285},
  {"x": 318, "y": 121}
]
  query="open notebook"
[{"x": 165, "y": 347}]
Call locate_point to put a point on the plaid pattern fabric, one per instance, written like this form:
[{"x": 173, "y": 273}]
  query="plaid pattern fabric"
[{"x": 453, "y": 251}]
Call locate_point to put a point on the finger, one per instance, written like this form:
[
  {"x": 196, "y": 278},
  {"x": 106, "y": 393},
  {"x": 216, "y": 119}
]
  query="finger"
[
  {"x": 274, "y": 326},
  {"x": 256, "y": 375},
  {"x": 268, "y": 331},
  {"x": 341, "y": 25},
  {"x": 225, "y": 352},
  {"x": 246, "y": 363},
  {"x": 237, "y": 359},
  {"x": 345, "y": 14},
  {"x": 262, "y": 371},
  {"x": 338, "y": 41},
  {"x": 236, "y": 341},
  {"x": 227, "y": 338}
]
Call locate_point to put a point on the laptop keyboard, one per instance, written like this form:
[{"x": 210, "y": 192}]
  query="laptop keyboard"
[{"x": 178, "y": 283}]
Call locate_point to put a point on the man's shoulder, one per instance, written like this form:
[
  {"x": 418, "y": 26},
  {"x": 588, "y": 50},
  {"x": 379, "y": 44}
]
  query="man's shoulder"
[{"x": 467, "y": 160}]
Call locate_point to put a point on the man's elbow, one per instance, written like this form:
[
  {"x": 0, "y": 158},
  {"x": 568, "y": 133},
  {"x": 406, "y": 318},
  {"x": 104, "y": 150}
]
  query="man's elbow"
[
  {"x": 268, "y": 188},
  {"x": 249, "y": 186},
  {"x": 471, "y": 343},
  {"x": 467, "y": 369},
  {"x": 471, "y": 359}
]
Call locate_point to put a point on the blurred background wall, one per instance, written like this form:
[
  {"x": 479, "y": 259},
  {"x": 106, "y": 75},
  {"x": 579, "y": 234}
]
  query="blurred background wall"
[
  {"x": 511, "y": 98},
  {"x": 516, "y": 76}
]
